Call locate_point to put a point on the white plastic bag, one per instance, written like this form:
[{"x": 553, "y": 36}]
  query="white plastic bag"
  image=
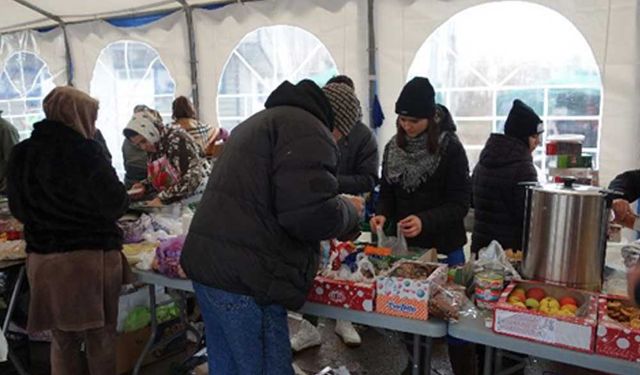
[
  {"x": 494, "y": 257},
  {"x": 398, "y": 244},
  {"x": 4, "y": 347},
  {"x": 631, "y": 254}
]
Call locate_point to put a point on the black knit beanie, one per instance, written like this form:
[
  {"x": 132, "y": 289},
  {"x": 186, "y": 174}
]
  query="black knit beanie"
[
  {"x": 417, "y": 99},
  {"x": 522, "y": 122}
]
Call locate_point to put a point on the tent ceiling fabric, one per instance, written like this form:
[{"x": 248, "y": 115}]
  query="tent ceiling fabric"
[{"x": 15, "y": 16}]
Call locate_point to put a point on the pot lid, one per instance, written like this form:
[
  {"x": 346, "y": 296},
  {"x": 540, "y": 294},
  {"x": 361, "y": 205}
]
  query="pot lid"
[{"x": 569, "y": 187}]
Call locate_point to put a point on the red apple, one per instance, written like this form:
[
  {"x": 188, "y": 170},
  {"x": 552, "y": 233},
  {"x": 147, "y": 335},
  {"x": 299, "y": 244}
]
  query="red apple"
[
  {"x": 568, "y": 301},
  {"x": 536, "y": 293}
]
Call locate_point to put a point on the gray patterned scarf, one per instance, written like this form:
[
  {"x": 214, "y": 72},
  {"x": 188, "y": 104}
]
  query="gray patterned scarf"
[{"x": 413, "y": 165}]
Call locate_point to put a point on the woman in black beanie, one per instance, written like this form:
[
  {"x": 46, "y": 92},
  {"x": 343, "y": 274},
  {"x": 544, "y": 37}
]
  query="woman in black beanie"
[{"x": 425, "y": 188}]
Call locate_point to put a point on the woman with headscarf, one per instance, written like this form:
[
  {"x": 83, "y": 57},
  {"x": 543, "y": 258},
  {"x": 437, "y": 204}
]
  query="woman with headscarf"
[
  {"x": 176, "y": 166},
  {"x": 135, "y": 158},
  {"x": 68, "y": 196}
]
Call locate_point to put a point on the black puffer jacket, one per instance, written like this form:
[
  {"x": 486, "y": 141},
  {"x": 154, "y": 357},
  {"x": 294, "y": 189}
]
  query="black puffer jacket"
[
  {"x": 359, "y": 161},
  {"x": 441, "y": 202},
  {"x": 627, "y": 183},
  {"x": 61, "y": 186},
  {"x": 272, "y": 196},
  {"x": 498, "y": 200}
]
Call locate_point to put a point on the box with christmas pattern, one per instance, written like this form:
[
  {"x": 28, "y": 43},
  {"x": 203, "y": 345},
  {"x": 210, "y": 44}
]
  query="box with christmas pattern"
[
  {"x": 341, "y": 293},
  {"x": 618, "y": 333}
]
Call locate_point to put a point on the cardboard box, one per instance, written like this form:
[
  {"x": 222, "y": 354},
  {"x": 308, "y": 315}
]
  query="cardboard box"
[
  {"x": 345, "y": 294},
  {"x": 615, "y": 339},
  {"x": 129, "y": 345},
  {"x": 406, "y": 297},
  {"x": 575, "y": 333}
]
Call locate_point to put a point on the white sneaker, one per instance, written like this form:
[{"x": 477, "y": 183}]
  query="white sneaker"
[
  {"x": 307, "y": 336},
  {"x": 348, "y": 334}
]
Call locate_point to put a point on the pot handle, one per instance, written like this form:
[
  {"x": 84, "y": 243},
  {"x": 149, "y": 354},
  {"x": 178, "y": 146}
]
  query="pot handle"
[
  {"x": 568, "y": 182},
  {"x": 527, "y": 184},
  {"x": 610, "y": 195}
]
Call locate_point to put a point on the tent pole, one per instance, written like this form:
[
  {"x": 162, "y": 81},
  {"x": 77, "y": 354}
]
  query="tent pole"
[
  {"x": 372, "y": 58},
  {"x": 188, "y": 11},
  {"x": 63, "y": 26}
]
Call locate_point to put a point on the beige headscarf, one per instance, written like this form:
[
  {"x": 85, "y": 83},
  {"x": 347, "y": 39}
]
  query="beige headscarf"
[{"x": 72, "y": 108}]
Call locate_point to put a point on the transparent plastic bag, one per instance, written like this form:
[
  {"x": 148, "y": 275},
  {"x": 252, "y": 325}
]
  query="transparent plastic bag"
[
  {"x": 398, "y": 244},
  {"x": 4, "y": 347},
  {"x": 167, "y": 261},
  {"x": 138, "y": 318},
  {"x": 450, "y": 302},
  {"x": 493, "y": 257},
  {"x": 631, "y": 254}
]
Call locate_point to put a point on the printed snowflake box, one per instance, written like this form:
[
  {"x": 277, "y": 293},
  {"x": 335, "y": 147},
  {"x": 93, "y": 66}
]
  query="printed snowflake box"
[
  {"x": 345, "y": 294},
  {"x": 405, "y": 289},
  {"x": 614, "y": 338},
  {"x": 569, "y": 332}
]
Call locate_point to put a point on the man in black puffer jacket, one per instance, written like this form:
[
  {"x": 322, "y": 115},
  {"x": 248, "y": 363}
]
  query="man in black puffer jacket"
[
  {"x": 505, "y": 162},
  {"x": 253, "y": 245}
]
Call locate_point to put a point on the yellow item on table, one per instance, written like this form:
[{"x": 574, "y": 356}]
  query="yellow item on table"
[{"x": 133, "y": 251}]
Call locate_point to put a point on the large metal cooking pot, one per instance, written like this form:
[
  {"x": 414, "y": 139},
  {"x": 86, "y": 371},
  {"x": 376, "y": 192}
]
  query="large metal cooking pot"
[{"x": 565, "y": 234}]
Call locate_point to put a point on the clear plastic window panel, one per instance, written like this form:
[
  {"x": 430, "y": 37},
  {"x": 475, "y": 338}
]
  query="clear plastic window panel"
[
  {"x": 24, "y": 81},
  {"x": 126, "y": 74},
  {"x": 263, "y": 60},
  {"x": 478, "y": 69}
]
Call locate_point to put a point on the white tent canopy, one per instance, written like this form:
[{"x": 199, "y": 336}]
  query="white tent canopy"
[
  {"x": 609, "y": 27},
  {"x": 23, "y": 14}
]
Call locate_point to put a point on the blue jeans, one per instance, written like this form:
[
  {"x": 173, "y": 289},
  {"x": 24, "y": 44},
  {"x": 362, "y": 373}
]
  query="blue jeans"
[{"x": 244, "y": 338}]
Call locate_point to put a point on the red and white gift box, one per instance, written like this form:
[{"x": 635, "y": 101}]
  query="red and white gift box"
[
  {"x": 346, "y": 294},
  {"x": 614, "y": 339},
  {"x": 575, "y": 333}
]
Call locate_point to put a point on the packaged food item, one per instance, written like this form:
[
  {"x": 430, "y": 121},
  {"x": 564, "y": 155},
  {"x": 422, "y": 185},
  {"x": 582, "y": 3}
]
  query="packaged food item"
[
  {"x": 450, "y": 302},
  {"x": 488, "y": 288}
]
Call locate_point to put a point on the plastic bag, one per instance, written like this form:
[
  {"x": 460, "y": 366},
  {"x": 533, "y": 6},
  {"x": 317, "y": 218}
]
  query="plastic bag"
[
  {"x": 4, "y": 347},
  {"x": 631, "y": 254},
  {"x": 493, "y": 257},
  {"x": 346, "y": 262},
  {"x": 168, "y": 312},
  {"x": 138, "y": 318},
  {"x": 398, "y": 244},
  {"x": 450, "y": 303},
  {"x": 167, "y": 260},
  {"x": 134, "y": 229}
]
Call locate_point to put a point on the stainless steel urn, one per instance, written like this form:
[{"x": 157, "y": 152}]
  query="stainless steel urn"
[{"x": 565, "y": 234}]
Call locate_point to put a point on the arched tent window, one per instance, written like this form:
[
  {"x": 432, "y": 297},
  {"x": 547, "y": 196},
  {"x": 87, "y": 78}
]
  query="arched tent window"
[
  {"x": 24, "y": 81},
  {"x": 126, "y": 74},
  {"x": 484, "y": 57},
  {"x": 261, "y": 61}
]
